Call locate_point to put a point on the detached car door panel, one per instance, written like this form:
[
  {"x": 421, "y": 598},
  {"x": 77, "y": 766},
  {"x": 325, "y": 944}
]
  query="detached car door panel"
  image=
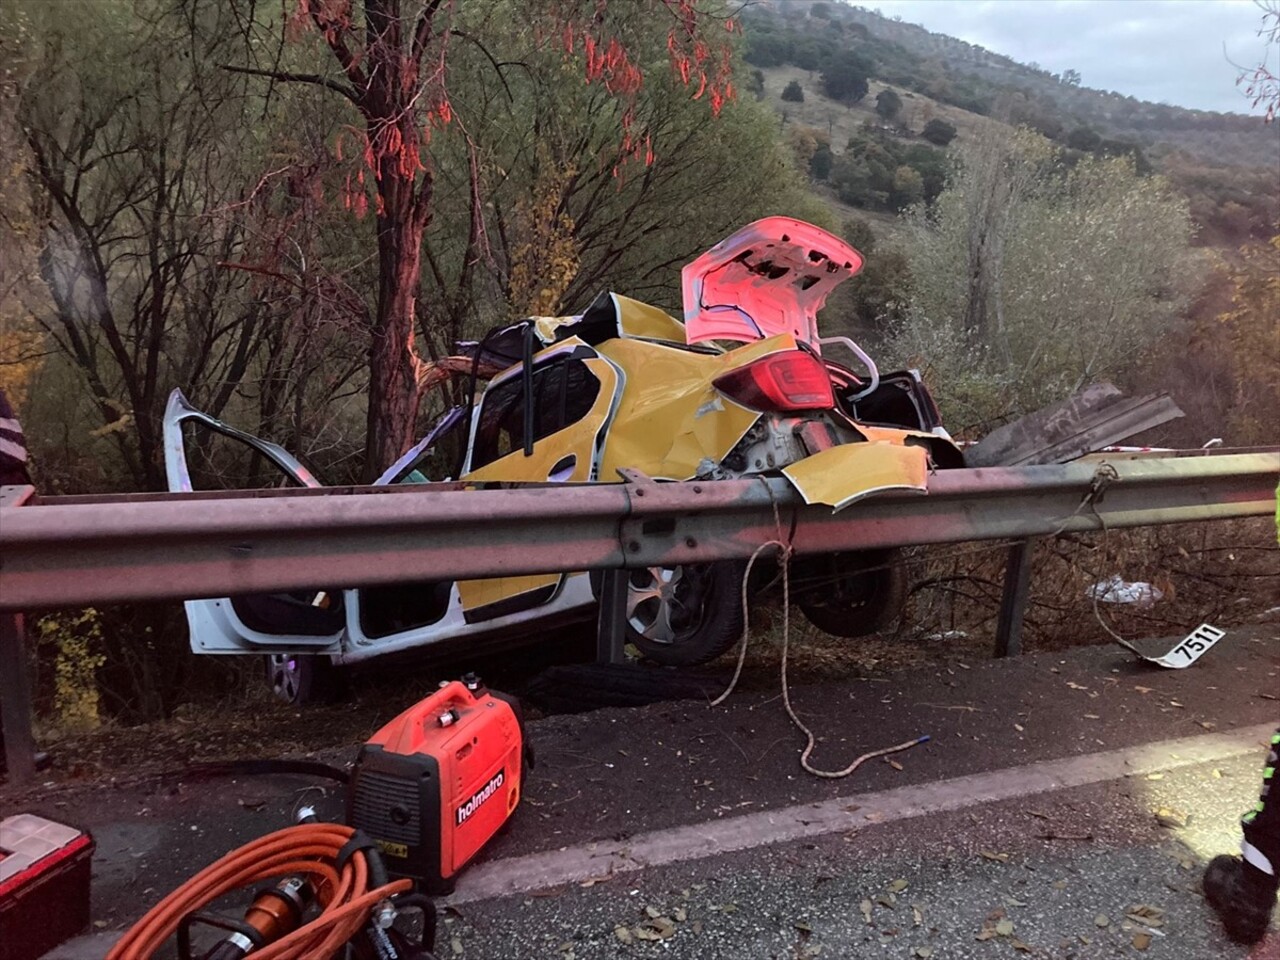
[{"x": 298, "y": 622}]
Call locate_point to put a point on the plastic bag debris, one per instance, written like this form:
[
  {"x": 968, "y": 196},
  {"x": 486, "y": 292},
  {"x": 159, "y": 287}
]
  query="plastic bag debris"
[{"x": 1116, "y": 590}]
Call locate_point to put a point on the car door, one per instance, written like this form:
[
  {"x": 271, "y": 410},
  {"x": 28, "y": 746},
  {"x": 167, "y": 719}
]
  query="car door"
[
  {"x": 574, "y": 392},
  {"x": 298, "y": 622}
]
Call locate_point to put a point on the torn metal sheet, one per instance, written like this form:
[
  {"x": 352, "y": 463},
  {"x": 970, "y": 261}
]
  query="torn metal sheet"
[
  {"x": 1092, "y": 419},
  {"x": 843, "y": 475}
]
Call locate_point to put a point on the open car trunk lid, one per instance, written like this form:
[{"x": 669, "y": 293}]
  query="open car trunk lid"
[{"x": 771, "y": 277}]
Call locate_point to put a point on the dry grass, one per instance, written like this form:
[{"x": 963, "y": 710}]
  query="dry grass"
[{"x": 1224, "y": 573}]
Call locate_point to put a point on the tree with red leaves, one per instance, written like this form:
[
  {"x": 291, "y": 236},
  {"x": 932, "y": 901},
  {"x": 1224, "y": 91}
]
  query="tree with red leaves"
[
  {"x": 1262, "y": 86},
  {"x": 393, "y": 60}
]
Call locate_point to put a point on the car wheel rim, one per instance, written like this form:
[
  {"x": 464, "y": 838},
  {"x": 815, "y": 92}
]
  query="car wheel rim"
[
  {"x": 849, "y": 594},
  {"x": 664, "y": 604},
  {"x": 285, "y": 676}
]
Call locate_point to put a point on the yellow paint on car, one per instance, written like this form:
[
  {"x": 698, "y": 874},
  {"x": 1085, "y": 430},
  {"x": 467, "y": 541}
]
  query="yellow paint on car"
[
  {"x": 579, "y": 440},
  {"x": 670, "y": 418},
  {"x": 638, "y": 319},
  {"x": 893, "y": 434},
  {"x": 845, "y": 474},
  {"x": 476, "y": 594}
]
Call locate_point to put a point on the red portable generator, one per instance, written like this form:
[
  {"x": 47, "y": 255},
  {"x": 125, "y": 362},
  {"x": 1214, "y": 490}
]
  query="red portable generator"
[{"x": 437, "y": 782}]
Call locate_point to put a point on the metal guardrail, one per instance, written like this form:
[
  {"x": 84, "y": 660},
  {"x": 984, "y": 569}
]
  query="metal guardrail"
[
  {"x": 71, "y": 551},
  {"x": 66, "y": 552}
]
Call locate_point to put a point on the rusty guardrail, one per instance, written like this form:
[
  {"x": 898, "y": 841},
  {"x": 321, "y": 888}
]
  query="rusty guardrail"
[{"x": 65, "y": 552}]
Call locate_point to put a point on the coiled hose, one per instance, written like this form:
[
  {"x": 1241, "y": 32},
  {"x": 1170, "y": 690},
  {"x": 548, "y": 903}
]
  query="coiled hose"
[{"x": 309, "y": 849}]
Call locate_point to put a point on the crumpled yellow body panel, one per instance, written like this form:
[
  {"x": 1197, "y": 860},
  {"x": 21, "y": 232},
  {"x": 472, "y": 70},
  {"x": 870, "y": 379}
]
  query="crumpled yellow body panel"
[
  {"x": 896, "y": 435},
  {"x": 633, "y": 319},
  {"x": 845, "y": 474},
  {"x": 578, "y": 439},
  {"x": 670, "y": 417},
  {"x": 644, "y": 320}
]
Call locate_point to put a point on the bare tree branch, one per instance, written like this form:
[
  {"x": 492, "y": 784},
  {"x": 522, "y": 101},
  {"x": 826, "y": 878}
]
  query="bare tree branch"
[{"x": 312, "y": 78}]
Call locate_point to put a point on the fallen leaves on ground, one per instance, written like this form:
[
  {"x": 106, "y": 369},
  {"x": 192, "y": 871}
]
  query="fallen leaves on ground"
[{"x": 1146, "y": 915}]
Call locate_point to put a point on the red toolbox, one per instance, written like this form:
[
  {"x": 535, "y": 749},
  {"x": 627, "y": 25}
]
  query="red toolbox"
[{"x": 44, "y": 885}]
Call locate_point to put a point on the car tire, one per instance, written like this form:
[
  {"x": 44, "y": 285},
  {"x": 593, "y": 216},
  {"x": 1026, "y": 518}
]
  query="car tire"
[
  {"x": 301, "y": 678},
  {"x": 862, "y": 602},
  {"x": 703, "y": 616}
]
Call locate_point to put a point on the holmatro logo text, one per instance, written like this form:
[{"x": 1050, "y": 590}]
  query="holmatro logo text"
[{"x": 480, "y": 796}]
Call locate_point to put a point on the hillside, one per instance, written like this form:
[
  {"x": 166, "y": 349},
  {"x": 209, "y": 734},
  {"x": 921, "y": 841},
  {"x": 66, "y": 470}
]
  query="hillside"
[
  {"x": 1227, "y": 164},
  {"x": 841, "y": 124}
]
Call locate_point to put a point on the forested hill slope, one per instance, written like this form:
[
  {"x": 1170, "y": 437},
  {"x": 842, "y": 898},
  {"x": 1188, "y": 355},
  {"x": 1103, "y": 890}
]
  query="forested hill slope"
[{"x": 1227, "y": 164}]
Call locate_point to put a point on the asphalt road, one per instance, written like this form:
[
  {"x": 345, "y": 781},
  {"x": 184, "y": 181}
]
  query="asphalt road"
[{"x": 1043, "y": 839}]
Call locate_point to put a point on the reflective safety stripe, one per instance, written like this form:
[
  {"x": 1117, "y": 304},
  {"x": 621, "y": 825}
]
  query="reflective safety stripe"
[
  {"x": 1256, "y": 857},
  {"x": 13, "y": 450}
]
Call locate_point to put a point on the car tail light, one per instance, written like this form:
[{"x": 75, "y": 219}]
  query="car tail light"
[{"x": 791, "y": 380}]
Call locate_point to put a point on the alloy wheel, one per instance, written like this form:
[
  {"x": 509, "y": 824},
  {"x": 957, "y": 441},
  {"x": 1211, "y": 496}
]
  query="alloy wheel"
[
  {"x": 664, "y": 604},
  {"x": 284, "y": 671}
]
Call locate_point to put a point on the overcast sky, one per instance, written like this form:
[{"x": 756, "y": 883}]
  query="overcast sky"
[{"x": 1158, "y": 50}]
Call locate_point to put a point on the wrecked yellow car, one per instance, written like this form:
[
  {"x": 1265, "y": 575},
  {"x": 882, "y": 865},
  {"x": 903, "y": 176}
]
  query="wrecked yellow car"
[{"x": 744, "y": 387}]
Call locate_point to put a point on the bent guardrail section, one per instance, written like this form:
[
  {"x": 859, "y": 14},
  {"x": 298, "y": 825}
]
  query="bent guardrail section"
[{"x": 65, "y": 552}]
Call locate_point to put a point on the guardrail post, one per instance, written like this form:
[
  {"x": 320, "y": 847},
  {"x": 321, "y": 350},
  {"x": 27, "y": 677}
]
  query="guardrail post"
[
  {"x": 15, "y": 702},
  {"x": 1013, "y": 599},
  {"x": 611, "y": 632}
]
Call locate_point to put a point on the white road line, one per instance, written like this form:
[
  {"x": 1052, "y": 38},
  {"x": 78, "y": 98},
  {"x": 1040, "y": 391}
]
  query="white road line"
[{"x": 538, "y": 871}]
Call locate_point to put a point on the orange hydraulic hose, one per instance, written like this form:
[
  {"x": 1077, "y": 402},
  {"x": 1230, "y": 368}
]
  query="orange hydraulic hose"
[{"x": 308, "y": 849}]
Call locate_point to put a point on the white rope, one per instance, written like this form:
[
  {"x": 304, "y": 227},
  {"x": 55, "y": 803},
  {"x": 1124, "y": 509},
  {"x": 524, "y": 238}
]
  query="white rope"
[{"x": 785, "y": 552}]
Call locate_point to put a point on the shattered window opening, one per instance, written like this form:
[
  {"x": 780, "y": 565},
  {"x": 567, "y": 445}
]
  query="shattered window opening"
[{"x": 564, "y": 392}]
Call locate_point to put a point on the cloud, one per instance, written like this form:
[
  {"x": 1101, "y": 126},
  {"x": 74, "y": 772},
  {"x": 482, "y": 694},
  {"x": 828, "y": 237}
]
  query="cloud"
[{"x": 1179, "y": 52}]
